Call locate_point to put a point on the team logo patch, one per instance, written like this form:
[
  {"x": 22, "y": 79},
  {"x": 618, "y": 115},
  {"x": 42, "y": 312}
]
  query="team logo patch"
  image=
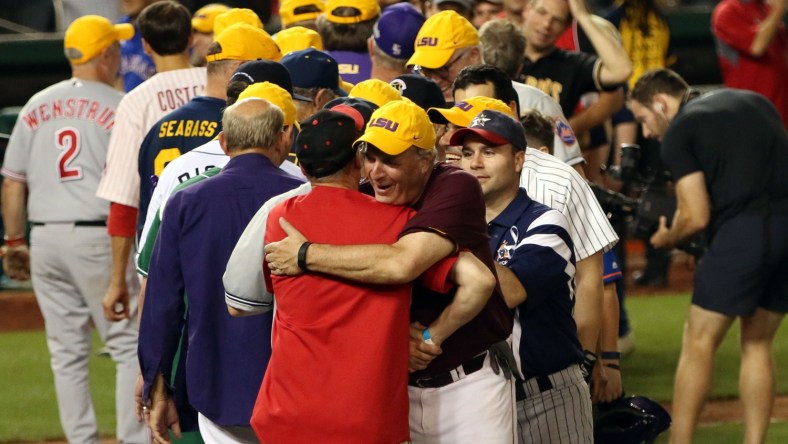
[
  {"x": 465, "y": 106},
  {"x": 399, "y": 85},
  {"x": 564, "y": 132},
  {"x": 504, "y": 253},
  {"x": 479, "y": 120},
  {"x": 427, "y": 41},
  {"x": 387, "y": 124}
]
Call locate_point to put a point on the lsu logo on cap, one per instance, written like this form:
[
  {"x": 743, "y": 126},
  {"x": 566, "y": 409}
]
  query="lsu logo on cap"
[
  {"x": 387, "y": 124},
  {"x": 465, "y": 106},
  {"x": 427, "y": 41}
]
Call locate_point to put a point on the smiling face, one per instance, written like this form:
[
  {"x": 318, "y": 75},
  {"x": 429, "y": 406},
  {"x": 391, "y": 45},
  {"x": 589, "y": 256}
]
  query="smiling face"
[
  {"x": 400, "y": 179},
  {"x": 543, "y": 22},
  {"x": 497, "y": 168}
]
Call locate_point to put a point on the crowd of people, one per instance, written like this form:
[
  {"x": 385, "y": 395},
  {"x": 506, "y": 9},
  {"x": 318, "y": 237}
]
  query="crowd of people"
[{"x": 379, "y": 222}]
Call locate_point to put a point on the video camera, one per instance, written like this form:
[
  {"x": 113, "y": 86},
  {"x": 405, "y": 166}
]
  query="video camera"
[{"x": 650, "y": 194}]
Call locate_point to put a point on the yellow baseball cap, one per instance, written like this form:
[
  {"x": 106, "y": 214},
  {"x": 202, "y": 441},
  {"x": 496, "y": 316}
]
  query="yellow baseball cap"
[
  {"x": 367, "y": 10},
  {"x": 274, "y": 94},
  {"x": 244, "y": 42},
  {"x": 297, "y": 38},
  {"x": 202, "y": 20},
  {"x": 90, "y": 34},
  {"x": 234, "y": 16},
  {"x": 376, "y": 91},
  {"x": 441, "y": 35},
  {"x": 291, "y": 11},
  {"x": 462, "y": 113},
  {"x": 398, "y": 125}
]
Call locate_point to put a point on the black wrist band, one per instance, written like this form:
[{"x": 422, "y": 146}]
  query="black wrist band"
[
  {"x": 611, "y": 355},
  {"x": 302, "y": 256},
  {"x": 613, "y": 366}
]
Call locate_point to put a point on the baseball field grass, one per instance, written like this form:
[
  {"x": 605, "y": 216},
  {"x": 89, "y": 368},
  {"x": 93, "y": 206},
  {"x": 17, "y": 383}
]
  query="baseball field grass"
[{"x": 28, "y": 411}]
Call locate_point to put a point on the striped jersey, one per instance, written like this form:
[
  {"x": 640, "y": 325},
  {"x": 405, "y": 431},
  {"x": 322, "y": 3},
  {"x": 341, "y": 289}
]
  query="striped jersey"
[
  {"x": 139, "y": 110},
  {"x": 59, "y": 146},
  {"x": 557, "y": 185}
]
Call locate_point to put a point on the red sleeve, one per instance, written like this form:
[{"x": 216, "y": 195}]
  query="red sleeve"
[
  {"x": 436, "y": 277},
  {"x": 122, "y": 220},
  {"x": 734, "y": 25}
]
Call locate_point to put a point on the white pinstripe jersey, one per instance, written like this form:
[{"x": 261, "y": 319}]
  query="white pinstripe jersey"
[
  {"x": 59, "y": 146},
  {"x": 139, "y": 110},
  {"x": 565, "y": 144},
  {"x": 557, "y": 185}
]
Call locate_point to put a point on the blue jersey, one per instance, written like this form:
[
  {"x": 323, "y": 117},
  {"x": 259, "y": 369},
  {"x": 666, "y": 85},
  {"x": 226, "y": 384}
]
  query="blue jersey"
[
  {"x": 135, "y": 66},
  {"x": 227, "y": 356},
  {"x": 532, "y": 240},
  {"x": 354, "y": 67},
  {"x": 192, "y": 125}
]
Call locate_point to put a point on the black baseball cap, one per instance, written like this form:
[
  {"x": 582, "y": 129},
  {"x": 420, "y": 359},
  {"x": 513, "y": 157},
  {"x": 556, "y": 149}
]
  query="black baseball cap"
[
  {"x": 359, "y": 109},
  {"x": 494, "y": 127},
  {"x": 420, "y": 90},
  {"x": 325, "y": 143},
  {"x": 257, "y": 71}
]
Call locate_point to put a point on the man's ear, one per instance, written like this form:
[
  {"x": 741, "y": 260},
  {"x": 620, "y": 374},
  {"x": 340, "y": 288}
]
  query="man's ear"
[
  {"x": 223, "y": 143},
  {"x": 147, "y": 49},
  {"x": 519, "y": 160},
  {"x": 370, "y": 47},
  {"x": 321, "y": 98}
]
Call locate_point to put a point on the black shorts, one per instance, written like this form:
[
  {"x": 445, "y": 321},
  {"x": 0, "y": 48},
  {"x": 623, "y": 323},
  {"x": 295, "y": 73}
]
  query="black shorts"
[{"x": 745, "y": 267}]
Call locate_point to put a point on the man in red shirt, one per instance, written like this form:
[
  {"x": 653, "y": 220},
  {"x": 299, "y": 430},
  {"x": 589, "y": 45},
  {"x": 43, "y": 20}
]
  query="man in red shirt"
[
  {"x": 752, "y": 46},
  {"x": 458, "y": 391},
  {"x": 338, "y": 367}
]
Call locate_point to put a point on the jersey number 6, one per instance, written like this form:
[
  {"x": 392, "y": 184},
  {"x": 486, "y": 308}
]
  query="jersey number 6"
[{"x": 67, "y": 141}]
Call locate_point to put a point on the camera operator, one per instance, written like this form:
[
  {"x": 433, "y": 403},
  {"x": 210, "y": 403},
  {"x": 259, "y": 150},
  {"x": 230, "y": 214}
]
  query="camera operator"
[{"x": 728, "y": 152}]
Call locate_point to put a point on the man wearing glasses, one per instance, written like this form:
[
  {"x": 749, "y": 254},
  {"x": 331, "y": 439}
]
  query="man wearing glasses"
[{"x": 446, "y": 43}]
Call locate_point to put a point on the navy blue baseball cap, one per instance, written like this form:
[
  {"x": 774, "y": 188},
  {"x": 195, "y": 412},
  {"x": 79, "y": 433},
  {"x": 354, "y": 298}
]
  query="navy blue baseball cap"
[
  {"x": 396, "y": 29},
  {"x": 421, "y": 90},
  {"x": 494, "y": 127},
  {"x": 325, "y": 143},
  {"x": 311, "y": 68}
]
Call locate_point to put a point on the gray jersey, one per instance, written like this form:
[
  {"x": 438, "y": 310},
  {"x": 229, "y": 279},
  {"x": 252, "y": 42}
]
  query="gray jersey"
[{"x": 59, "y": 146}]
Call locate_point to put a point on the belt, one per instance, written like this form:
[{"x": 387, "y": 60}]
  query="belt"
[
  {"x": 443, "y": 379},
  {"x": 79, "y": 223},
  {"x": 542, "y": 383}
]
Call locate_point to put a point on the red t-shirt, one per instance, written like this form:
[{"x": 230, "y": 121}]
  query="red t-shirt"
[
  {"x": 453, "y": 206},
  {"x": 339, "y": 363},
  {"x": 735, "y": 24}
]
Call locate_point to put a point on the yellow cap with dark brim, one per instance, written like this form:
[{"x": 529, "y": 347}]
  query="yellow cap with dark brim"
[
  {"x": 88, "y": 35},
  {"x": 398, "y": 125},
  {"x": 441, "y": 35}
]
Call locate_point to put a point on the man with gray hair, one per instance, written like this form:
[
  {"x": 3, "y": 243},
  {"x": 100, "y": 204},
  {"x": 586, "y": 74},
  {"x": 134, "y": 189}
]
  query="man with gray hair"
[{"x": 226, "y": 357}]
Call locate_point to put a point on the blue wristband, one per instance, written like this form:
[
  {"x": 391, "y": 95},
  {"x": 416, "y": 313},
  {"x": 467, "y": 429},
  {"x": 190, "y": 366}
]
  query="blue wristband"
[{"x": 427, "y": 337}]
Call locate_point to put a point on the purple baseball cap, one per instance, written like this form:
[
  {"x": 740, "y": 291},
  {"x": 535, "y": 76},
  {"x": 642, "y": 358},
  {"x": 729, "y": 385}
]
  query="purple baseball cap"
[
  {"x": 396, "y": 29},
  {"x": 494, "y": 127}
]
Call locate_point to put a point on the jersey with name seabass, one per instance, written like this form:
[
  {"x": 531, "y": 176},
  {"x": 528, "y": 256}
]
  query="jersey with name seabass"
[{"x": 188, "y": 127}]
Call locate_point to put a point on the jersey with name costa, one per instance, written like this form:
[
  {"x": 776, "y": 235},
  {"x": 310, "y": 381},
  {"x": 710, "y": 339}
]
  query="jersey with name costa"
[
  {"x": 354, "y": 67},
  {"x": 557, "y": 185},
  {"x": 190, "y": 126},
  {"x": 565, "y": 76},
  {"x": 139, "y": 110},
  {"x": 532, "y": 240},
  {"x": 59, "y": 146}
]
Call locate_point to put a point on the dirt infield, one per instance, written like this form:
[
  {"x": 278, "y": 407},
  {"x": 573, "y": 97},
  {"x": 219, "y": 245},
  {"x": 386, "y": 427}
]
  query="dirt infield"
[{"x": 20, "y": 312}]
